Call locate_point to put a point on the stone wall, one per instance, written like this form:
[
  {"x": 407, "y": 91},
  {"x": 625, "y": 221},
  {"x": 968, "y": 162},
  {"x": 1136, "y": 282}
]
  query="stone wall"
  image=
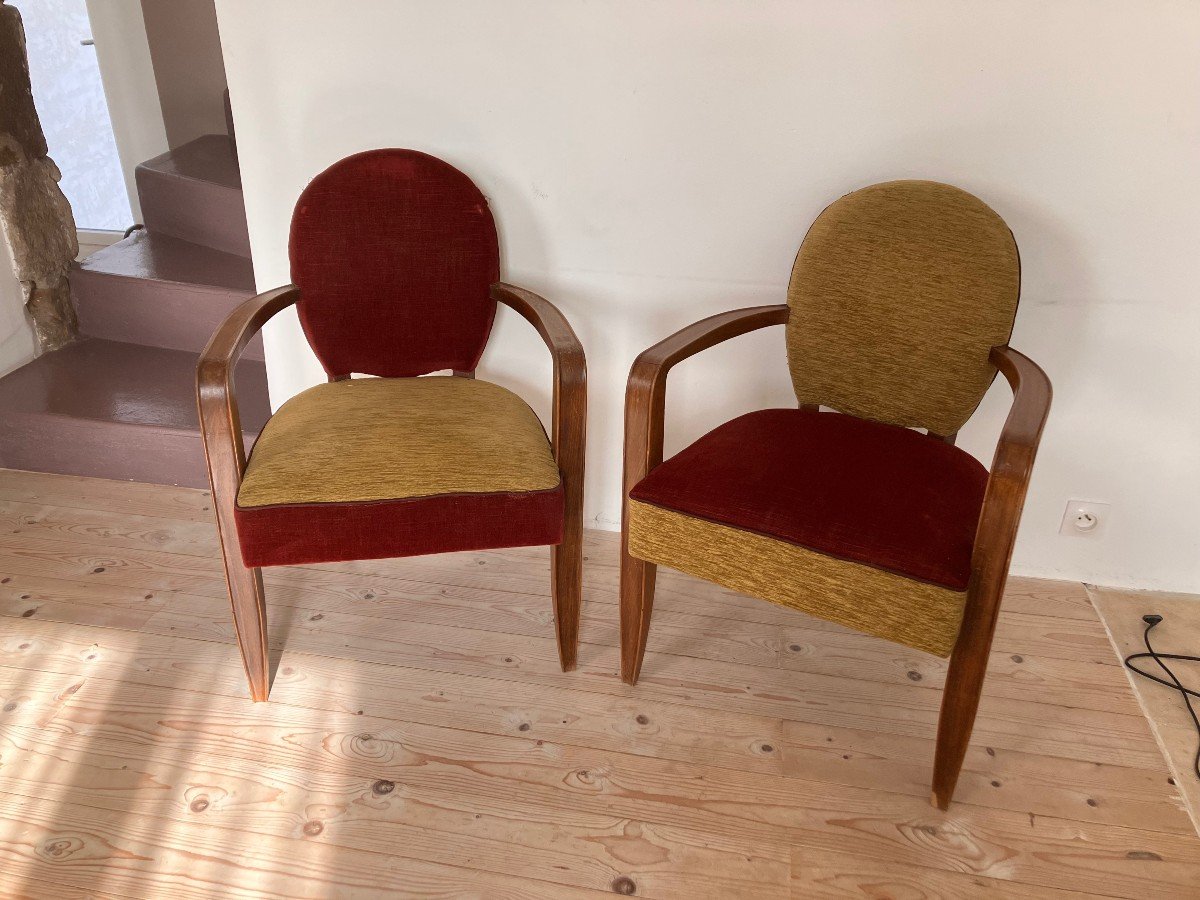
[{"x": 35, "y": 217}]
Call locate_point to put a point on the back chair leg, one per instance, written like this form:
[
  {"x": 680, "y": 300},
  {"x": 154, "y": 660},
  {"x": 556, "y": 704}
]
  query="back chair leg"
[
  {"x": 566, "y": 563},
  {"x": 637, "y": 603},
  {"x": 566, "y": 558},
  {"x": 250, "y": 623}
]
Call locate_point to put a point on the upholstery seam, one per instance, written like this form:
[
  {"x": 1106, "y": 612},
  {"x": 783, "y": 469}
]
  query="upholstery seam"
[{"x": 391, "y": 500}]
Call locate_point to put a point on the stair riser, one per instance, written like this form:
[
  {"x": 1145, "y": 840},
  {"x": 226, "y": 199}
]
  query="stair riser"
[
  {"x": 192, "y": 210},
  {"x": 154, "y": 313},
  {"x": 66, "y": 446}
]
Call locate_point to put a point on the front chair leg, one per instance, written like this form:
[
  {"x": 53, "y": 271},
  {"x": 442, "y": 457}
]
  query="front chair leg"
[
  {"x": 637, "y": 603},
  {"x": 250, "y": 623},
  {"x": 990, "y": 559},
  {"x": 960, "y": 700}
]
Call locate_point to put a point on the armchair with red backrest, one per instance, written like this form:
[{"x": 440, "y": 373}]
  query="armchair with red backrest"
[
  {"x": 396, "y": 268},
  {"x": 900, "y": 308}
]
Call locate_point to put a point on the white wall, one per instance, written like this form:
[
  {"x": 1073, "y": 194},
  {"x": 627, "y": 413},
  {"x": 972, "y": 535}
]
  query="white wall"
[
  {"x": 127, "y": 74},
  {"x": 189, "y": 72},
  {"x": 18, "y": 343},
  {"x": 653, "y": 163}
]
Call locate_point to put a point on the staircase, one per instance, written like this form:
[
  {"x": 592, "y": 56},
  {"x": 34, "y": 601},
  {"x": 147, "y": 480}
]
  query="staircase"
[{"x": 121, "y": 403}]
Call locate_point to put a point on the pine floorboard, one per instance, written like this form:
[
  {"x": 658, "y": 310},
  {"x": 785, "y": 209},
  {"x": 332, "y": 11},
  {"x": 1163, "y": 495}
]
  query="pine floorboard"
[
  {"x": 1179, "y": 632},
  {"x": 420, "y": 740}
]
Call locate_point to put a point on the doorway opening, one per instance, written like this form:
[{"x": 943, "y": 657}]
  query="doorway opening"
[{"x": 74, "y": 114}]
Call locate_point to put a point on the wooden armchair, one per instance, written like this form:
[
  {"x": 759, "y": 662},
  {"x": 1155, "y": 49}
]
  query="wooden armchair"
[
  {"x": 900, "y": 307},
  {"x": 396, "y": 268}
]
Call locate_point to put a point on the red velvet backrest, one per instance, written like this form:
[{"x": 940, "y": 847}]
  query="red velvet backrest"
[{"x": 394, "y": 252}]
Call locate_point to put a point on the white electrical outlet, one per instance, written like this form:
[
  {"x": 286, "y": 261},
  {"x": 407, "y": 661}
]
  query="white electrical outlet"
[{"x": 1084, "y": 518}]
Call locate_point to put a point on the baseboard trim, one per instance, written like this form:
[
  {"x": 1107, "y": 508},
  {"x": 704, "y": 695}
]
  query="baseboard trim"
[{"x": 91, "y": 240}]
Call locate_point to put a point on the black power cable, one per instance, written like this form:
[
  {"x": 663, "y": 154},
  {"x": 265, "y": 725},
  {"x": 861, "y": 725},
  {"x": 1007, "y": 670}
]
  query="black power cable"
[{"x": 1174, "y": 683}]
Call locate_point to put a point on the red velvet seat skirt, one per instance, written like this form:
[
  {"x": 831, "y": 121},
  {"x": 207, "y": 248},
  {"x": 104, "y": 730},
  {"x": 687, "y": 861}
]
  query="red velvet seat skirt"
[{"x": 299, "y": 534}]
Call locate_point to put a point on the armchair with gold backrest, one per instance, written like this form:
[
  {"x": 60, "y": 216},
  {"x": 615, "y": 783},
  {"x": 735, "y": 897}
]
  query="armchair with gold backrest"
[
  {"x": 899, "y": 312},
  {"x": 395, "y": 260}
]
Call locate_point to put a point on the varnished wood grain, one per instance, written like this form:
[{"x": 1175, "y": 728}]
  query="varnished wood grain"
[
  {"x": 221, "y": 431},
  {"x": 645, "y": 409},
  {"x": 568, "y": 428},
  {"x": 423, "y": 741},
  {"x": 1003, "y": 501}
]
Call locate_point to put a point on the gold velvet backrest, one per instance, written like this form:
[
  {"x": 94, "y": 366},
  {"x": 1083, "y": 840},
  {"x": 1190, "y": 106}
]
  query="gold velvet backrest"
[{"x": 898, "y": 294}]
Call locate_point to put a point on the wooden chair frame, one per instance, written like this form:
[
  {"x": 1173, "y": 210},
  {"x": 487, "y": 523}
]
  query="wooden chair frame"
[
  {"x": 226, "y": 456},
  {"x": 645, "y": 408}
]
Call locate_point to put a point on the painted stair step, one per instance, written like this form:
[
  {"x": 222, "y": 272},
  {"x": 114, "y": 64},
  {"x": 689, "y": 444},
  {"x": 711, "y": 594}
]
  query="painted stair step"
[
  {"x": 114, "y": 410},
  {"x": 160, "y": 291},
  {"x": 195, "y": 193}
]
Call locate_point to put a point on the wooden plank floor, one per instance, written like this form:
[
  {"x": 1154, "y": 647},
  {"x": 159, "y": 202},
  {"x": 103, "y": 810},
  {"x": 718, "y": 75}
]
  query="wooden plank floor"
[
  {"x": 420, "y": 740},
  {"x": 1179, "y": 632}
]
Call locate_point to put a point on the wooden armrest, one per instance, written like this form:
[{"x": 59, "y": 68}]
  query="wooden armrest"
[
  {"x": 1013, "y": 462},
  {"x": 569, "y": 363},
  {"x": 1022, "y": 432},
  {"x": 569, "y": 412},
  {"x": 645, "y": 396},
  {"x": 230, "y": 339},
  {"x": 1005, "y": 496},
  {"x": 1003, "y": 501},
  {"x": 1011, "y": 467},
  {"x": 220, "y": 425},
  {"x": 654, "y": 362}
]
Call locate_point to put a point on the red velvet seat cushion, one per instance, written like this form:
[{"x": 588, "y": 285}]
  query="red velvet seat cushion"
[{"x": 850, "y": 488}]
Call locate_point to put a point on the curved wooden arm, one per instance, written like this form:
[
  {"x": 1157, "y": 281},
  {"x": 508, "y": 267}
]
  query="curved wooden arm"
[
  {"x": 220, "y": 425},
  {"x": 1027, "y": 417},
  {"x": 221, "y": 432},
  {"x": 569, "y": 413},
  {"x": 1005, "y": 495},
  {"x": 1011, "y": 469},
  {"x": 994, "y": 540},
  {"x": 645, "y": 396},
  {"x": 568, "y": 431}
]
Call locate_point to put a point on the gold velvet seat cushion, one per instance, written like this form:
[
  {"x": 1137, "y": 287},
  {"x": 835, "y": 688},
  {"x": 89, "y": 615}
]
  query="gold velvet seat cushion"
[
  {"x": 921, "y": 615},
  {"x": 373, "y": 439}
]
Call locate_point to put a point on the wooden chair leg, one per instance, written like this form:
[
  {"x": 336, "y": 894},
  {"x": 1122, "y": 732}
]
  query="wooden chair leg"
[
  {"x": 566, "y": 563},
  {"x": 250, "y": 623},
  {"x": 964, "y": 685},
  {"x": 637, "y": 603},
  {"x": 566, "y": 559}
]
